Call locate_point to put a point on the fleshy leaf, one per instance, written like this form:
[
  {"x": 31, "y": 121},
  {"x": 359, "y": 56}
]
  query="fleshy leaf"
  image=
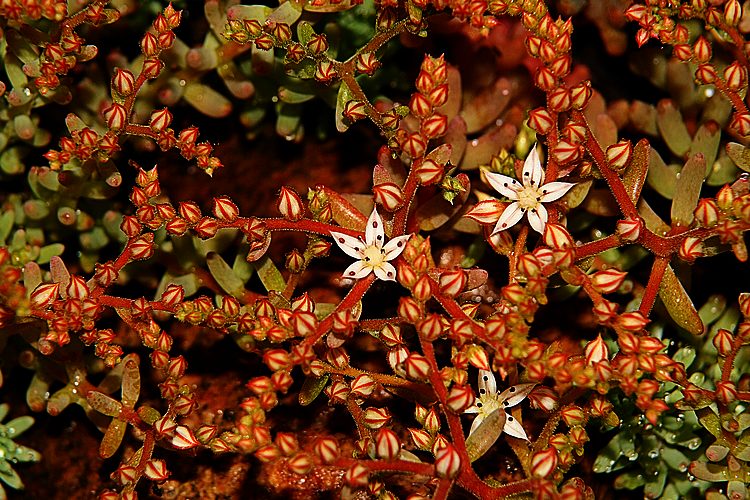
[
  {"x": 672, "y": 128},
  {"x": 104, "y": 404},
  {"x": 635, "y": 176},
  {"x": 270, "y": 275},
  {"x": 112, "y": 438},
  {"x": 662, "y": 178},
  {"x": 679, "y": 304},
  {"x": 224, "y": 275},
  {"x": 131, "y": 380},
  {"x": 706, "y": 142},
  {"x": 342, "y": 98},
  {"x": 311, "y": 389},
  {"x": 688, "y": 190},
  {"x": 482, "y": 439},
  {"x": 740, "y": 155}
]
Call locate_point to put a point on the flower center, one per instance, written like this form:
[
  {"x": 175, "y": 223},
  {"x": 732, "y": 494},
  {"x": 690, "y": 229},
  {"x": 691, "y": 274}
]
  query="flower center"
[
  {"x": 528, "y": 197},
  {"x": 373, "y": 255}
]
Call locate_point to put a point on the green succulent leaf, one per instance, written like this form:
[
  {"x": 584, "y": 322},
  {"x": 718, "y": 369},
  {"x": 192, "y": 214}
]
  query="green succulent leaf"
[
  {"x": 679, "y": 304},
  {"x": 672, "y": 128},
  {"x": 225, "y": 276},
  {"x": 688, "y": 190},
  {"x": 19, "y": 425},
  {"x": 112, "y": 438},
  {"x": 311, "y": 389},
  {"x": 270, "y": 275}
]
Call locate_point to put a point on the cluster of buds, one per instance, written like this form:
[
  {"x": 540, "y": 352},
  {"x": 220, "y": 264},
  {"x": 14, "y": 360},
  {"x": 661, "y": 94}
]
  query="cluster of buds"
[
  {"x": 432, "y": 93},
  {"x": 83, "y": 144},
  {"x": 733, "y": 79}
]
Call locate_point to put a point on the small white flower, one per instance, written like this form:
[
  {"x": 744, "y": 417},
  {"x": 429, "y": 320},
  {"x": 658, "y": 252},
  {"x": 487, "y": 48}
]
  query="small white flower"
[
  {"x": 372, "y": 254},
  {"x": 528, "y": 195},
  {"x": 491, "y": 400}
]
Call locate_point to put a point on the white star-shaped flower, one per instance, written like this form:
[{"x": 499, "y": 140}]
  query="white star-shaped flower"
[
  {"x": 490, "y": 400},
  {"x": 372, "y": 254},
  {"x": 528, "y": 196}
]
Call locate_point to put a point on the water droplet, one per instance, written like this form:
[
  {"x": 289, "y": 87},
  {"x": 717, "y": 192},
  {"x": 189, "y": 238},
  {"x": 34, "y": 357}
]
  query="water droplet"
[
  {"x": 475, "y": 142},
  {"x": 653, "y": 453},
  {"x": 183, "y": 82},
  {"x": 693, "y": 444}
]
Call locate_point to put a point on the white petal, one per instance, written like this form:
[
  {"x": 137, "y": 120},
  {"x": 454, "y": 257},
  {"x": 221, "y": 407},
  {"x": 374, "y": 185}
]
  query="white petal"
[
  {"x": 506, "y": 186},
  {"x": 475, "y": 424},
  {"x": 514, "y": 428},
  {"x": 487, "y": 382},
  {"x": 510, "y": 216},
  {"x": 538, "y": 218},
  {"x": 472, "y": 409},
  {"x": 555, "y": 190},
  {"x": 357, "y": 270},
  {"x": 385, "y": 272},
  {"x": 533, "y": 173},
  {"x": 395, "y": 246},
  {"x": 515, "y": 394},
  {"x": 350, "y": 245},
  {"x": 374, "y": 234}
]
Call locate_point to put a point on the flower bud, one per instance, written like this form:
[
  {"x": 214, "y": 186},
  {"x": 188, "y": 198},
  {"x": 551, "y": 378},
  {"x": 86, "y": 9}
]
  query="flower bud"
[
  {"x": 388, "y": 195},
  {"x": 447, "y": 462},
  {"x": 290, "y": 204},
  {"x": 608, "y": 281},
  {"x": 629, "y": 229},
  {"x": 543, "y": 463}
]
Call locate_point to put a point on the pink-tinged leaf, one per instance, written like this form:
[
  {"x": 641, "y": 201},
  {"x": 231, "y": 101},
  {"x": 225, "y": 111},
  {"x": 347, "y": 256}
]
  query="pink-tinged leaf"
[
  {"x": 455, "y": 138},
  {"x": 437, "y": 210},
  {"x": 112, "y": 438},
  {"x": 344, "y": 212},
  {"x": 387, "y": 164},
  {"x": 601, "y": 202},
  {"x": 484, "y": 108},
  {"x": 706, "y": 141},
  {"x": 605, "y": 130},
  {"x": 59, "y": 273},
  {"x": 679, "y": 304},
  {"x": 32, "y": 276},
  {"x": 455, "y": 96},
  {"x": 480, "y": 151}
]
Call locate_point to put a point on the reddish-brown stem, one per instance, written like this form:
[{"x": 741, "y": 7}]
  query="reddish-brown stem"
[
  {"x": 726, "y": 369},
  {"x": 613, "y": 180},
  {"x": 359, "y": 417},
  {"x": 399, "y": 466},
  {"x": 443, "y": 489},
  {"x": 381, "y": 378},
  {"x": 355, "y": 295},
  {"x": 517, "y": 251},
  {"x": 652, "y": 288}
]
